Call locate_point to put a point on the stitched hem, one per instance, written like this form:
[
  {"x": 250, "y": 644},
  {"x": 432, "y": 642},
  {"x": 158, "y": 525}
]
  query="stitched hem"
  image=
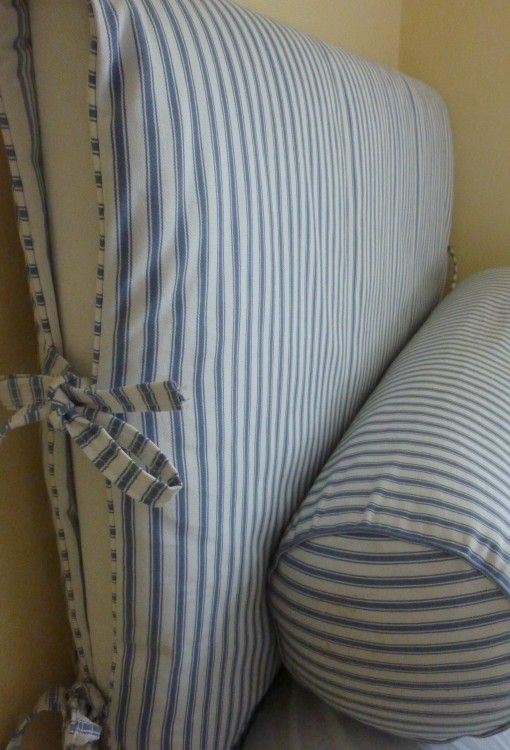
[
  {"x": 96, "y": 351},
  {"x": 98, "y": 174}
]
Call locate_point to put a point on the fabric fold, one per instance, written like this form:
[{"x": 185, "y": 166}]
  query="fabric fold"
[
  {"x": 95, "y": 419},
  {"x": 82, "y": 708}
]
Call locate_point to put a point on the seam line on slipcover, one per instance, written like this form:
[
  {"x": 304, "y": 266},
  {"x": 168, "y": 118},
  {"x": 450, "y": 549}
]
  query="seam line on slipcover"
[{"x": 96, "y": 156}]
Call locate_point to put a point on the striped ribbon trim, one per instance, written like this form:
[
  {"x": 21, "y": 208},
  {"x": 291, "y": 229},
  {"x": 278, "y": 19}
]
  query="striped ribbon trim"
[
  {"x": 82, "y": 708},
  {"x": 95, "y": 420}
]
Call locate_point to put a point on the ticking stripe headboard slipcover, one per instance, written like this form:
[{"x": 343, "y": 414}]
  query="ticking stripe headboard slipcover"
[{"x": 273, "y": 221}]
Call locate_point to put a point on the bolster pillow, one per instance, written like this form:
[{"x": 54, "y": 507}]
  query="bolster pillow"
[{"x": 391, "y": 586}]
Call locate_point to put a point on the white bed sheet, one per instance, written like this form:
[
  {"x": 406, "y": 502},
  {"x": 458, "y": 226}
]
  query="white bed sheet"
[{"x": 291, "y": 718}]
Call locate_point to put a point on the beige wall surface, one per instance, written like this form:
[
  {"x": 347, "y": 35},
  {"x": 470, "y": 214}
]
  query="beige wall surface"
[{"x": 462, "y": 48}]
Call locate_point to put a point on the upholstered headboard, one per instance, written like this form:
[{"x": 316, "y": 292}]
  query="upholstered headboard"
[{"x": 272, "y": 227}]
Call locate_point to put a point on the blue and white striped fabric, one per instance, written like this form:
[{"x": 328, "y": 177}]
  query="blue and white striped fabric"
[
  {"x": 274, "y": 219},
  {"x": 94, "y": 420},
  {"x": 391, "y": 586}
]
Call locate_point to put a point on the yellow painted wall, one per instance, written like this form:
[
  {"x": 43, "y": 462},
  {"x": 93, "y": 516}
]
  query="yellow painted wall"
[{"x": 462, "y": 48}]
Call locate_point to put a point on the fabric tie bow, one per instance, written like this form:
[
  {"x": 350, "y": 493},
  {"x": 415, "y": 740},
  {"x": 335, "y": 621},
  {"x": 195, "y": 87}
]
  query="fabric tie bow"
[
  {"x": 95, "y": 420},
  {"x": 82, "y": 708}
]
